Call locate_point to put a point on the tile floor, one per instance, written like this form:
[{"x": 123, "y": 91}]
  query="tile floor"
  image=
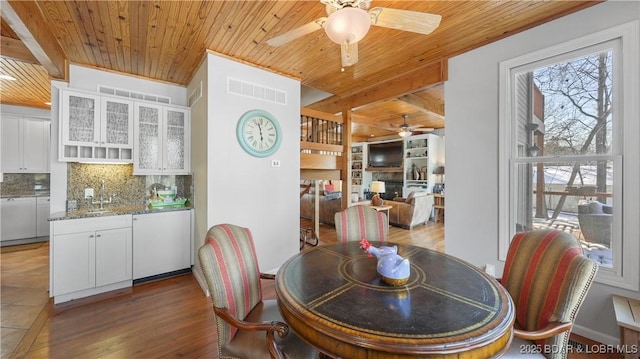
[{"x": 24, "y": 279}]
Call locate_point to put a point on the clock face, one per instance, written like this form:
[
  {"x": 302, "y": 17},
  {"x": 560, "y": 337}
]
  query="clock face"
[{"x": 258, "y": 133}]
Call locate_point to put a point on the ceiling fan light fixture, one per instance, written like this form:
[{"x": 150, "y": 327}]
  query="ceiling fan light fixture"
[
  {"x": 404, "y": 133},
  {"x": 348, "y": 24}
]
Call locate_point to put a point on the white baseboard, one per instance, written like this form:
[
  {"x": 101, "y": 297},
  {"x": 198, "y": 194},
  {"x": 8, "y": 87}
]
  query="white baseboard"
[
  {"x": 594, "y": 335},
  {"x": 197, "y": 272}
]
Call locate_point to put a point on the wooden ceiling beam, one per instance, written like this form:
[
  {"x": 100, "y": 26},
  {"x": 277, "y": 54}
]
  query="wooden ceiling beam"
[
  {"x": 26, "y": 19},
  {"x": 15, "y": 49},
  {"x": 423, "y": 104},
  {"x": 406, "y": 83}
]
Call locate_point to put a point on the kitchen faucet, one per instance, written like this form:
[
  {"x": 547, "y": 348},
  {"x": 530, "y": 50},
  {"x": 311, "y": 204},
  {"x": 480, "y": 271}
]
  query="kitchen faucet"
[{"x": 102, "y": 200}]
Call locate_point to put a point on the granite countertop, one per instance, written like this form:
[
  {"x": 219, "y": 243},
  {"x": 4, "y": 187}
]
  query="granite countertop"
[
  {"x": 27, "y": 194},
  {"x": 113, "y": 211}
]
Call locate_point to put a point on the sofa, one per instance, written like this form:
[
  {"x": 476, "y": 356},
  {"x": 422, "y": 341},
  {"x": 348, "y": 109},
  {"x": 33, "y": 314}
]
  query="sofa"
[
  {"x": 329, "y": 205},
  {"x": 596, "y": 222},
  {"x": 411, "y": 211}
]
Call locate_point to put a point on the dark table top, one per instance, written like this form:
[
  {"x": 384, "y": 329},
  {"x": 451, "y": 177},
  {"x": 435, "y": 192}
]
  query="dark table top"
[{"x": 332, "y": 294}]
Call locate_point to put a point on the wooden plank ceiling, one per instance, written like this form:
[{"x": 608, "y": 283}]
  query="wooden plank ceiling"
[{"x": 398, "y": 72}]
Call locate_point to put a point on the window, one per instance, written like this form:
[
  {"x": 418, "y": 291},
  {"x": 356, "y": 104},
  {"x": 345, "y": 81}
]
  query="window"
[{"x": 569, "y": 148}]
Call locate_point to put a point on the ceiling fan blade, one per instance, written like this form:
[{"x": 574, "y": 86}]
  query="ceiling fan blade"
[
  {"x": 423, "y": 129},
  {"x": 297, "y": 32},
  {"x": 349, "y": 53},
  {"x": 414, "y": 21}
]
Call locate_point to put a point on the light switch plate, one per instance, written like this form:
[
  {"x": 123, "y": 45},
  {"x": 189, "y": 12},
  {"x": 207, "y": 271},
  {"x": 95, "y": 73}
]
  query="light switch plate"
[{"x": 88, "y": 192}]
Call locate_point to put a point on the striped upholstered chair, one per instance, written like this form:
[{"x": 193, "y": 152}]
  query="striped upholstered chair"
[
  {"x": 357, "y": 222},
  {"x": 246, "y": 324},
  {"x": 548, "y": 277}
]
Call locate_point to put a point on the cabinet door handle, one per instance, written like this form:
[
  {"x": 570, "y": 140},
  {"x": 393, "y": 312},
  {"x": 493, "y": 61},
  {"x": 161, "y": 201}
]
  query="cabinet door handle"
[
  {"x": 91, "y": 236},
  {"x": 99, "y": 235}
]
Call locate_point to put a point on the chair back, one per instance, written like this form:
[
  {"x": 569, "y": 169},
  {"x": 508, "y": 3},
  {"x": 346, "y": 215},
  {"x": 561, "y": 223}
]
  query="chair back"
[
  {"x": 548, "y": 277},
  {"x": 596, "y": 222},
  {"x": 358, "y": 222},
  {"x": 228, "y": 261}
]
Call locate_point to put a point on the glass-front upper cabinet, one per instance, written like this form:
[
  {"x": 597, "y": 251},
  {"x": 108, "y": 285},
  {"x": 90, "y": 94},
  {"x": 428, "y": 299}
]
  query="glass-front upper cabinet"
[
  {"x": 161, "y": 137},
  {"x": 176, "y": 151},
  {"x": 116, "y": 127},
  {"x": 95, "y": 128},
  {"x": 147, "y": 157},
  {"x": 80, "y": 118}
]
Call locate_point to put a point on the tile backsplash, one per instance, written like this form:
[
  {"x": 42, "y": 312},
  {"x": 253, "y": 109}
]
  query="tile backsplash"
[
  {"x": 21, "y": 184},
  {"x": 119, "y": 180}
]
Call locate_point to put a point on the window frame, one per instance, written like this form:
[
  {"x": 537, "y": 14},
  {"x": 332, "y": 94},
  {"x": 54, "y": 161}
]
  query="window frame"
[{"x": 625, "y": 152}]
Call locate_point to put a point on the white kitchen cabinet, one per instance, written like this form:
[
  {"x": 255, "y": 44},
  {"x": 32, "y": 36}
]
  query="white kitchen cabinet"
[
  {"x": 90, "y": 256},
  {"x": 116, "y": 125},
  {"x": 18, "y": 218},
  {"x": 96, "y": 128},
  {"x": 113, "y": 256},
  {"x": 162, "y": 138},
  {"x": 161, "y": 243},
  {"x": 74, "y": 266},
  {"x": 43, "y": 206},
  {"x": 25, "y": 144}
]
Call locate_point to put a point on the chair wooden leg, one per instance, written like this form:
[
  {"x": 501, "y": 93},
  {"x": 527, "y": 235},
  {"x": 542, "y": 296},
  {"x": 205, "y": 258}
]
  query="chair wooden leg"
[{"x": 629, "y": 338}]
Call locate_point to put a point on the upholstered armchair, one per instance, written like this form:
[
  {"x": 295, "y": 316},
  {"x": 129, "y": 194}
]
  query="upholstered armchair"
[
  {"x": 548, "y": 278},
  {"x": 248, "y": 327},
  {"x": 596, "y": 222},
  {"x": 411, "y": 211},
  {"x": 360, "y": 221}
]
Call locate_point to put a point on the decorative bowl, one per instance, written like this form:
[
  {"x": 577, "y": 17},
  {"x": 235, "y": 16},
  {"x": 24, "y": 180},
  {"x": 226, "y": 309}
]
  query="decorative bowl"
[{"x": 166, "y": 196}]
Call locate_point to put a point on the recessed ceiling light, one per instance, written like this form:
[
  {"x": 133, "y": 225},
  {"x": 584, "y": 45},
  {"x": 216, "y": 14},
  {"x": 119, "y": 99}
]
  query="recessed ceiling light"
[
  {"x": 7, "y": 77},
  {"x": 48, "y": 103}
]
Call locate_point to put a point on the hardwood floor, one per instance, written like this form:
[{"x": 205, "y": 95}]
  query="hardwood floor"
[
  {"x": 429, "y": 236},
  {"x": 167, "y": 318},
  {"x": 24, "y": 274}
]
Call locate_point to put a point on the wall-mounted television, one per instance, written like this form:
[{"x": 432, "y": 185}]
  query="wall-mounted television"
[{"x": 386, "y": 154}]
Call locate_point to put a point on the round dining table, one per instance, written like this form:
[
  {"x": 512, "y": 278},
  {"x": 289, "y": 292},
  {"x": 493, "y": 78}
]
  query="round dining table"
[{"x": 333, "y": 298}]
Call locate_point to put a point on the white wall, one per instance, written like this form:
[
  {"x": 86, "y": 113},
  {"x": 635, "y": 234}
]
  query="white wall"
[
  {"x": 472, "y": 149},
  {"x": 200, "y": 158},
  {"x": 238, "y": 188},
  {"x": 86, "y": 78}
]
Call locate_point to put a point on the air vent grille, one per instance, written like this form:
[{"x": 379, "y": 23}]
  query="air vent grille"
[
  {"x": 195, "y": 95},
  {"x": 133, "y": 95},
  {"x": 248, "y": 89}
]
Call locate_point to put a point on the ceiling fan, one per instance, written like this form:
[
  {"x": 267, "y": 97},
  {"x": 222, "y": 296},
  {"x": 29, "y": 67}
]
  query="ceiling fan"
[
  {"x": 405, "y": 130},
  {"x": 348, "y": 22}
]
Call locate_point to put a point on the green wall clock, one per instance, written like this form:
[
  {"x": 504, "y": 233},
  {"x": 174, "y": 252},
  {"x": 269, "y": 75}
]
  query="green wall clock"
[{"x": 259, "y": 133}]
